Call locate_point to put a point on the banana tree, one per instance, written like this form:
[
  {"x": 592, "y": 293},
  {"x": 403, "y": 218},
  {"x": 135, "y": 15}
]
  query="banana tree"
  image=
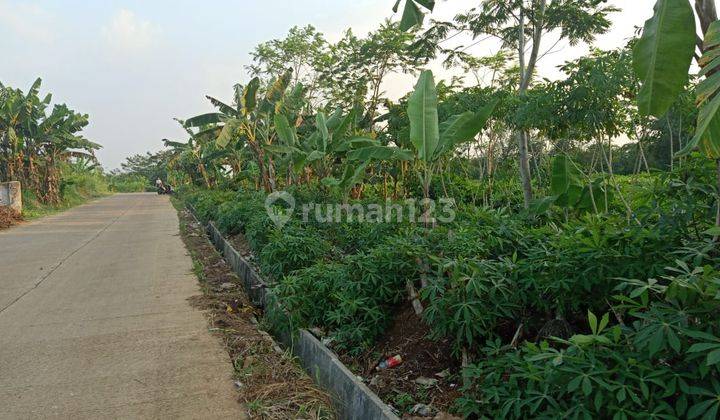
[
  {"x": 199, "y": 155},
  {"x": 250, "y": 120},
  {"x": 34, "y": 144},
  {"x": 413, "y": 14},
  {"x": 662, "y": 59},
  {"x": 434, "y": 141},
  {"x": 315, "y": 152},
  {"x": 332, "y": 151},
  {"x": 10, "y": 143},
  {"x": 20, "y": 115},
  {"x": 58, "y": 136}
]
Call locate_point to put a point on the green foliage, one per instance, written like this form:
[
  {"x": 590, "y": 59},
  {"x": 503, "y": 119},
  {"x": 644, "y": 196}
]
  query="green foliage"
[
  {"x": 707, "y": 135},
  {"x": 422, "y": 112},
  {"x": 662, "y": 56},
  {"x": 617, "y": 370},
  {"x": 233, "y": 215},
  {"x": 469, "y": 299},
  {"x": 412, "y": 14},
  {"x": 150, "y": 166},
  {"x": 598, "y": 301},
  {"x": 567, "y": 283},
  {"x": 292, "y": 249},
  {"x": 36, "y": 143},
  {"x": 127, "y": 183},
  {"x": 77, "y": 186},
  {"x": 379, "y": 153},
  {"x": 571, "y": 189},
  {"x": 207, "y": 203},
  {"x": 463, "y": 128}
]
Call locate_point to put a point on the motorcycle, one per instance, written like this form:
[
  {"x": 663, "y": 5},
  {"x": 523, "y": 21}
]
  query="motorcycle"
[{"x": 165, "y": 190}]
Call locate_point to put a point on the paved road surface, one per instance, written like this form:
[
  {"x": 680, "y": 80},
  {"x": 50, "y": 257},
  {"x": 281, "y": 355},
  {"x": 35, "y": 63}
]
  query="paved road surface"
[{"x": 94, "y": 321}]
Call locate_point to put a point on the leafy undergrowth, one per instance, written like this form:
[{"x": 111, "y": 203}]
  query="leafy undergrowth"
[
  {"x": 428, "y": 375},
  {"x": 129, "y": 183},
  {"x": 269, "y": 381},
  {"x": 556, "y": 314},
  {"x": 76, "y": 188}
]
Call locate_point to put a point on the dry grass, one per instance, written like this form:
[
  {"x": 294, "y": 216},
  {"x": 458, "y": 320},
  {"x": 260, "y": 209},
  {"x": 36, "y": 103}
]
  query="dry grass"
[
  {"x": 9, "y": 217},
  {"x": 270, "y": 383}
]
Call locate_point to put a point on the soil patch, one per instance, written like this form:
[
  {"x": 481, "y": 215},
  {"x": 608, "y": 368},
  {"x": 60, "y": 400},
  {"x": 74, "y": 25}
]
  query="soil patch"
[
  {"x": 270, "y": 383},
  {"x": 241, "y": 245},
  {"x": 428, "y": 375},
  {"x": 9, "y": 217}
]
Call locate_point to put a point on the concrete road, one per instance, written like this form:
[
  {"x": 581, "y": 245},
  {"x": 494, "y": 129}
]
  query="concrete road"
[{"x": 95, "y": 323}]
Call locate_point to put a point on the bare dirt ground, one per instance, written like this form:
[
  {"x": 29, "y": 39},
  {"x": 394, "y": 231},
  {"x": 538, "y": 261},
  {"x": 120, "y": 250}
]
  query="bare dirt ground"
[
  {"x": 428, "y": 374},
  {"x": 269, "y": 381},
  {"x": 8, "y": 217}
]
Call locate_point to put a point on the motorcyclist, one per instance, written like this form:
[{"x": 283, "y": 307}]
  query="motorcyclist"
[{"x": 160, "y": 186}]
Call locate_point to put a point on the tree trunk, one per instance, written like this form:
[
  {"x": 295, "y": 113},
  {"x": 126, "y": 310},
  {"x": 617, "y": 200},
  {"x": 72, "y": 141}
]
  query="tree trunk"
[
  {"x": 524, "y": 161},
  {"x": 707, "y": 14},
  {"x": 261, "y": 167},
  {"x": 52, "y": 183},
  {"x": 271, "y": 174},
  {"x": 717, "y": 215},
  {"x": 526, "y": 74},
  {"x": 672, "y": 145},
  {"x": 33, "y": 178},
  {"x": 203, "y": 172}
]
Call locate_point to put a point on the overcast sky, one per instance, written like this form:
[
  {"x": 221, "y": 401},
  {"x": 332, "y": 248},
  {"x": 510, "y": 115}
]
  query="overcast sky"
[{"x": 134, "y": 65}]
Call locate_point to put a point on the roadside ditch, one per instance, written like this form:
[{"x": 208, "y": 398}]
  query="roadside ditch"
[{"x": 269, "y": 381}]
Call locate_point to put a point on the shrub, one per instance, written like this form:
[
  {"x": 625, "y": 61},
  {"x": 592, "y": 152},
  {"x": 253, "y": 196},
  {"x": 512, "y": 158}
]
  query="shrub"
[
  {"x": 661, "y": 361},
  {"x": 353, "y": 237},
  {"x": 128, "y": 183},
  {"x": 233, "y": 216},
  {"x": 329, "y": 295},
  {"x": 469, "y": 299},
  {"x": 207, "y": 202},
  {"x": 307, "y": 294},
  {"x": 257, "y": 230},
  {"x": 292, "y": 248}
]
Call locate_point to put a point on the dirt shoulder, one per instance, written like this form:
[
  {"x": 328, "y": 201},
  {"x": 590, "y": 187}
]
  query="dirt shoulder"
[
  {"x": 9, "y": 217},
  {"x": 269, "y": 381}
]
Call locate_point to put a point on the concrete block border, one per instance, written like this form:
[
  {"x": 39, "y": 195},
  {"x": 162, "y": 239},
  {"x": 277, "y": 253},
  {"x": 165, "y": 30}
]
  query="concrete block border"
[
  {"x": 11, "y": 195},
  {"x": 352, "y": 399}
]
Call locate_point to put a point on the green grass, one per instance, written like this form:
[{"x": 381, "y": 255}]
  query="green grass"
[
  {"x": 77, "y": 188},
  {"x": 127, "y": 183}
]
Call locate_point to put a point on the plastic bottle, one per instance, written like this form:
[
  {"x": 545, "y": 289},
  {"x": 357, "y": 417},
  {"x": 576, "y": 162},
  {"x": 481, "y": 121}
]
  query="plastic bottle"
[{"x": 390, "y": 363}]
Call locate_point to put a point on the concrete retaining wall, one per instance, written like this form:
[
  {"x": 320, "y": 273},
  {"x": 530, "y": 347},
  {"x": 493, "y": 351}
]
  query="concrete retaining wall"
[
  {"x": 352, "y": 399},
  {"x": 11, "y": 195}
]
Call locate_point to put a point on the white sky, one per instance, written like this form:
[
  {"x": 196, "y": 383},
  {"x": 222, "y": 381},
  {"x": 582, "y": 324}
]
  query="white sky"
[{"x": 134, "y": 65}]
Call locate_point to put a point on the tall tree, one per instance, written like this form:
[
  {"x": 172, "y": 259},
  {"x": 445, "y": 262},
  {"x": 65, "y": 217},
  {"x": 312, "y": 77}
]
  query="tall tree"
[
  {"x": 33, "y": 143},
  {"x": 523, "y": 26},
  {"x": 357, "y": 67},
  {"x": 304, "y": 50}
]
